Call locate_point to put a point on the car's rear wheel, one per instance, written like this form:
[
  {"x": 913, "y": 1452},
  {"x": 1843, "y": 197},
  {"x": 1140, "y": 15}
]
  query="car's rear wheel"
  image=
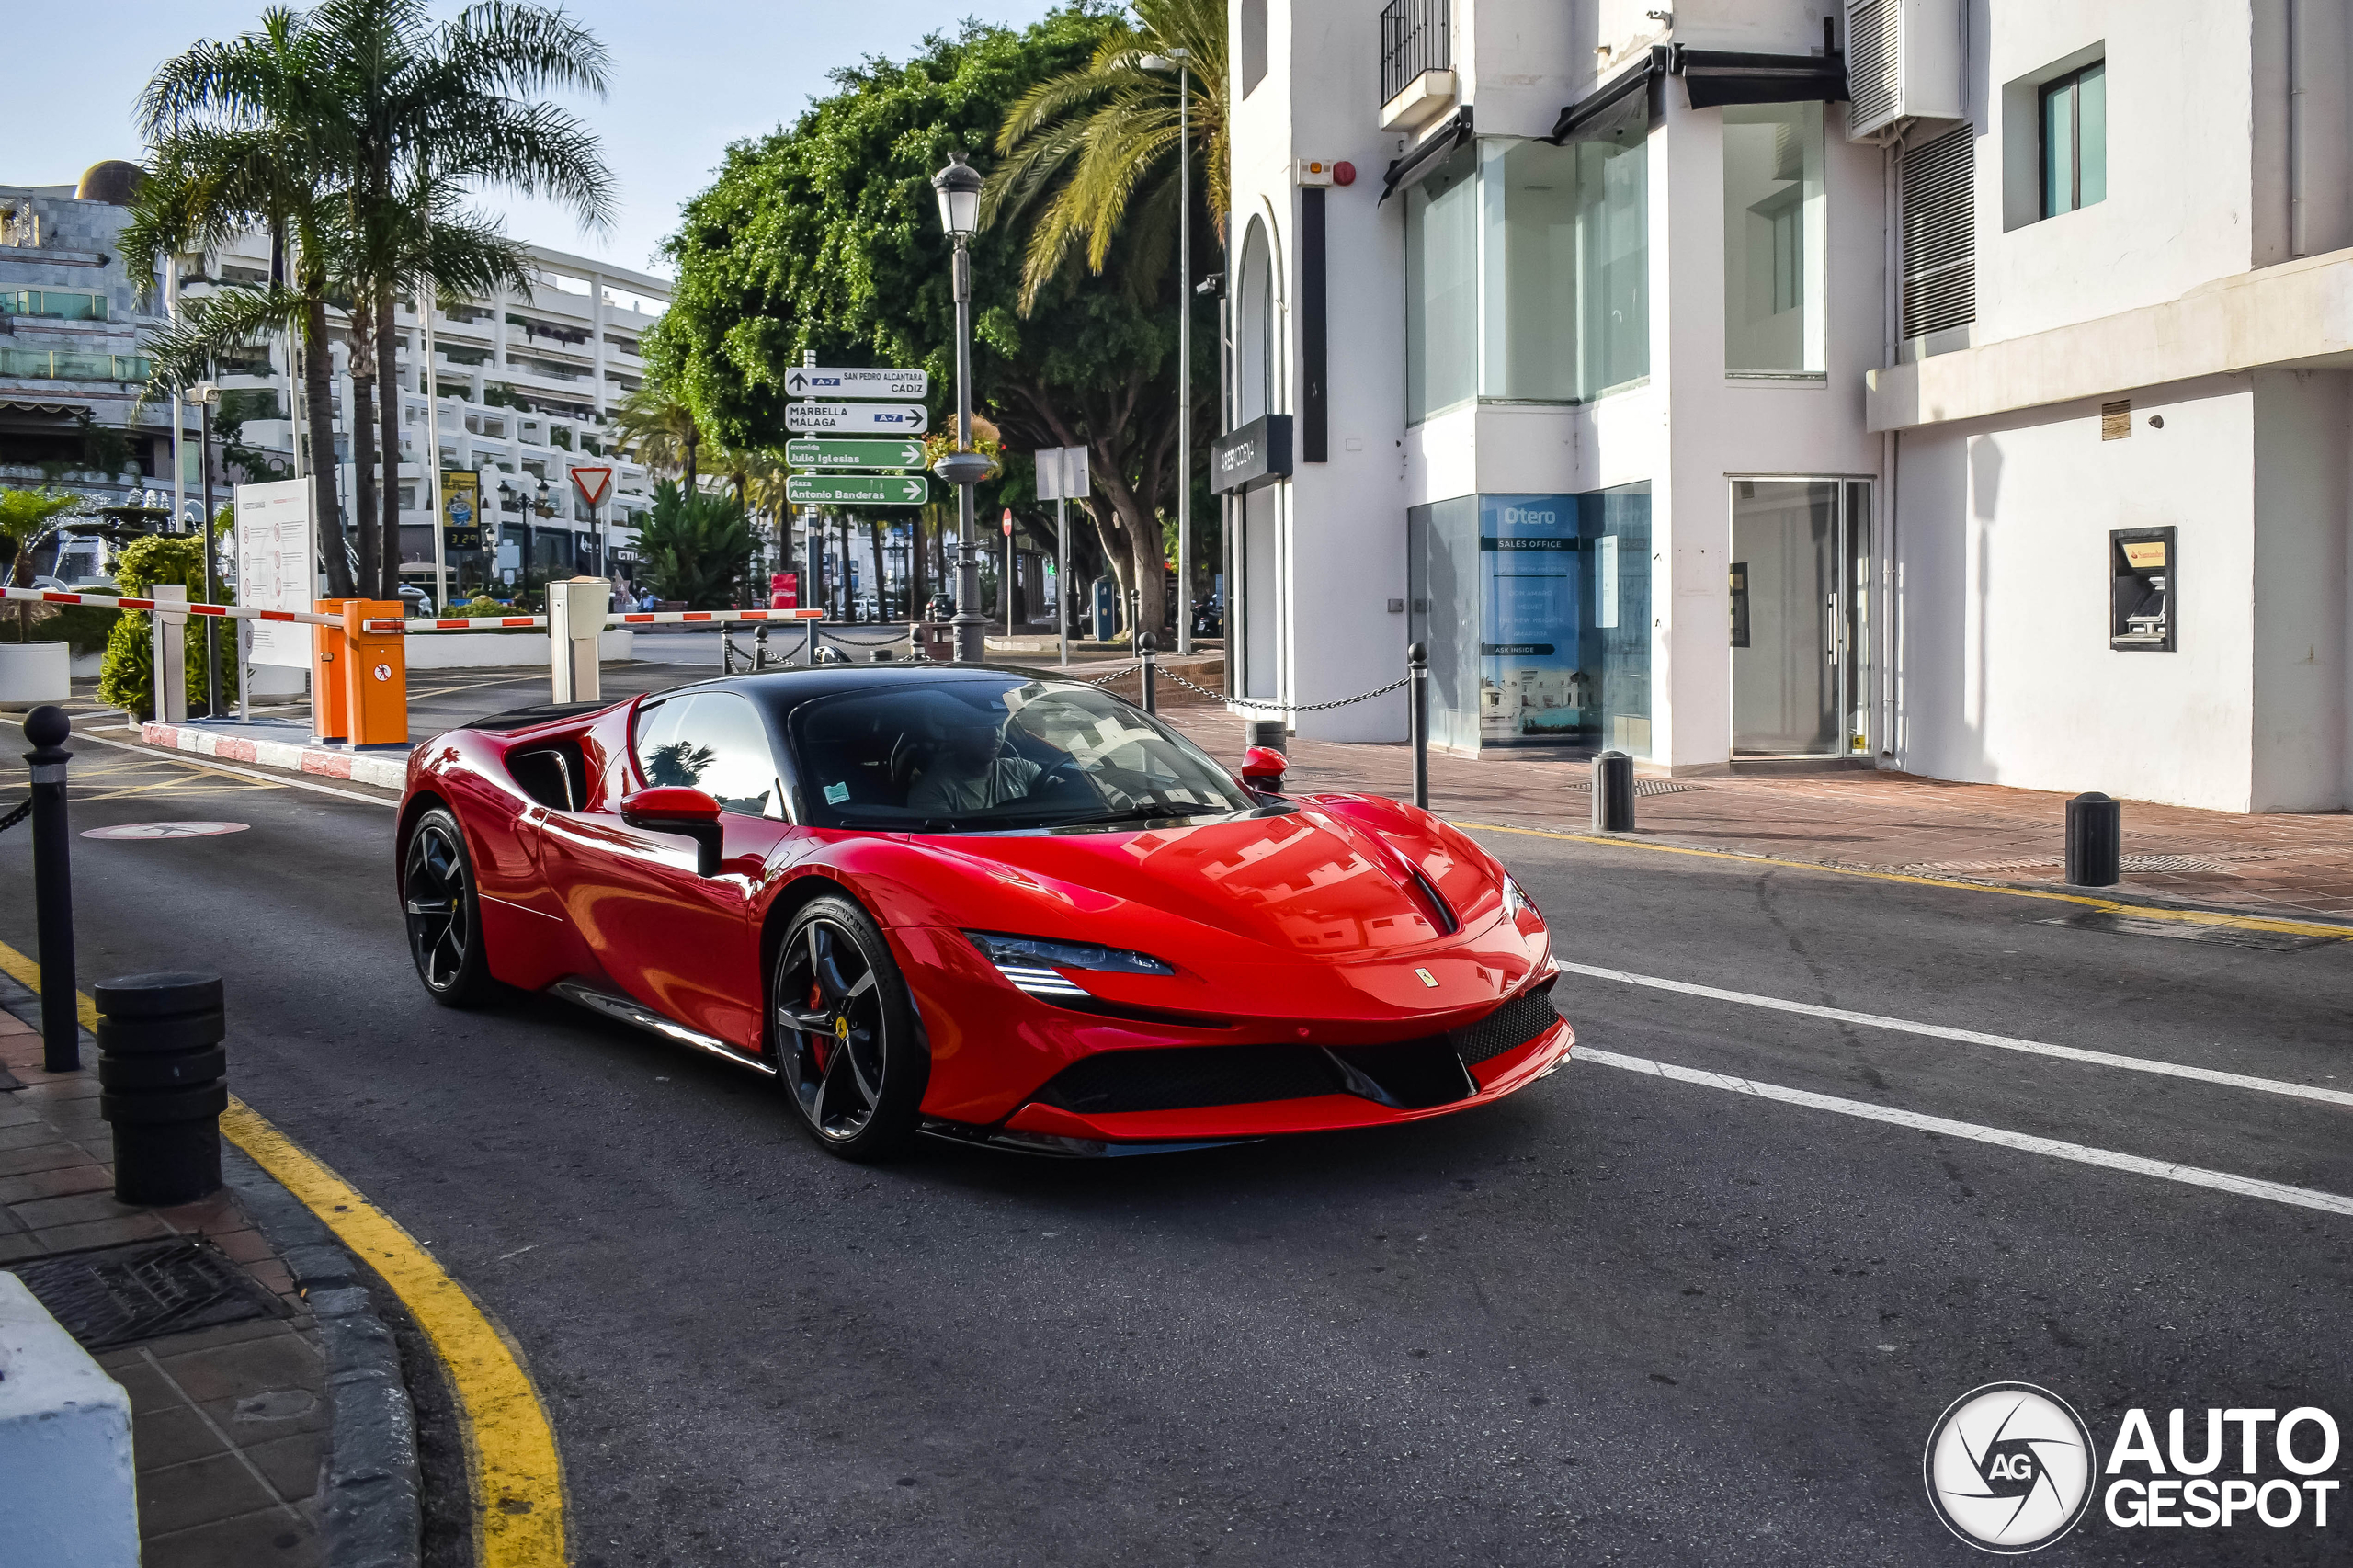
[
  {"x": 842, "y": 1032},
  {"x": 443, "y": 915}
]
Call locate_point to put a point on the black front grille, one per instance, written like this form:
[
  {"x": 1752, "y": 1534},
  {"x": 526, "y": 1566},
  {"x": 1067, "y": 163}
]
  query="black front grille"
[
  {"x": 1509, "y": 1027},
  {"x": 1186, "y": 1076}
]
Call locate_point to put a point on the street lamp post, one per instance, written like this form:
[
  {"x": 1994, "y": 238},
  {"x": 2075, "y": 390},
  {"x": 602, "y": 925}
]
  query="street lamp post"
[
  {"x": 1182, "y": 60},
  {"x": 206, "y": 394},
  {"x": 958, "y": 189}
]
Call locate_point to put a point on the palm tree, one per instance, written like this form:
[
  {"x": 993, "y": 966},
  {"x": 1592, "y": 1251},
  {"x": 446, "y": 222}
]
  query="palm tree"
[
  {"x": 394, "y": 119},
  {"x": 1080, "y": 147},
  {"x": 240, "y": 136},
  {"x": 656, "y": 427}
]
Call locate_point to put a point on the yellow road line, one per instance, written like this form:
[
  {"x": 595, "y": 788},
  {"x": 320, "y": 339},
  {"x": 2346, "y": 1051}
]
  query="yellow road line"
[
  {"x": 2104, "y": 906},
  {"x": 517, "y": 1474}
]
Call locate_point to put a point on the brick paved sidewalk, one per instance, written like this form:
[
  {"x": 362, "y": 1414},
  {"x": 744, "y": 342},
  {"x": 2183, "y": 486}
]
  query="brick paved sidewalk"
[
  {"x": 2292, "y": 866},
  {"x": 229, "y": 1424}
]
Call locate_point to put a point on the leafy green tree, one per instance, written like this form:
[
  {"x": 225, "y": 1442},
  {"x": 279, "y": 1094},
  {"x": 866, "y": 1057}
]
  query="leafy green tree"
[
  {"x": 127, "y": 674},
  {"x": 826, "y": 236},
  {"x": 696, "y": 547}
]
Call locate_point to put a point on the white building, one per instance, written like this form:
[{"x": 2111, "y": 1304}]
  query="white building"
[
  {"x": 1934, "y": 384},
  {"x": 525, "y": 389}
]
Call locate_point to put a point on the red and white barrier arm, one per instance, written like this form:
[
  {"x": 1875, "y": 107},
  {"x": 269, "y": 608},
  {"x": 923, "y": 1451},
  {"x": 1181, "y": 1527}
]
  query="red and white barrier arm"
[
  {"x": 171, "y": 607},
  {"x": 637, "y": 617}
]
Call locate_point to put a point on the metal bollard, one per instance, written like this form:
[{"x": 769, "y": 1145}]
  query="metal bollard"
[
  {"x": 2095, "y": 841},
  {"x": 1613, "y": 793},
  {"x": 1143, "y": 652},
  {"x": 1418, "y": 665},
  {"x": 726, "y": 652},
  {"x": 60, "y": 1027},
  {"x": 1272, "y": 733},
  {"x": 809, "y": 653},
  {"x": 162, "y": 1076},
  {"x": 759, "y": 648}
]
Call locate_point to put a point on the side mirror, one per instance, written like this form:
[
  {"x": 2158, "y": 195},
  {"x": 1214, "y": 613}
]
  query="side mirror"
[
  {"x": 1262, "y": 769},
  {"x": 691, "y": 813}
]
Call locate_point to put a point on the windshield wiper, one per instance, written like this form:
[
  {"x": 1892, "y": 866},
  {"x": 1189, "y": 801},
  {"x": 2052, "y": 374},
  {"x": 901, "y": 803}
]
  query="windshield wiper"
[{"x": 1158, "y": 813}]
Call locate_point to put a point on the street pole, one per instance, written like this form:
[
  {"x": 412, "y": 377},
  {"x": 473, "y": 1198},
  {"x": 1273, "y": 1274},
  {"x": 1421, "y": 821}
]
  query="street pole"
[
  {"x": 431, "y": 456},
  {"x": 212, "y": 565},
  {"x": 179, "y": 468},
  {"x": 1062, "y": 567},
  {"x": 958, "y": 189},
  {"x": 1008, "y": 574},
  {"x": 1184, "y": 355}
]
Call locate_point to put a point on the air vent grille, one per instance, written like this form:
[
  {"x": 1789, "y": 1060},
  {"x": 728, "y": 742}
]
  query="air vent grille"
[
  {"x": 1874, "y": 64},
  {"x": 1939, "y": 202},
  {"x": 2116, "y": 420}
]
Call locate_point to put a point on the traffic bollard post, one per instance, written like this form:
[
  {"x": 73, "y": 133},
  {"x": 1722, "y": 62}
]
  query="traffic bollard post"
[
  {"x": 2095, "y": 841},
  {"x": 163, "y": 1083},
  {"x": 759, "y": 649},
  {"x": 61, "y": 1025},
  {"x": 1143, "y": 652},
  {"x": 1417, "y": 697},
  {"x": 1272, "y": 733},
  {"x": 1613, "y": 793}
]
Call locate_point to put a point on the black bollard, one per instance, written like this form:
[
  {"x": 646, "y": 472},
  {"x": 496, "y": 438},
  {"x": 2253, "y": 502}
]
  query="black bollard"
[
  {"x": 760, "y": 647},
  {"x": 60, "y": 1022},
  {"x": 1613, "y": 793},
  {"x": 1417, "y": 667},
  {"x": 2095, "y": 841},
  {"x": 1143, "y": 649},
  {"x": 1272, "y": 733},
  {"x": 161, "y": 1073}
]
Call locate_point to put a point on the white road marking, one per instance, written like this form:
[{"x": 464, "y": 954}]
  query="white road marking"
[
  {"x": 2165, "y": 1170},
  {"x": 208, "y": 766},
  {"x": 1945, "y": 1031}
]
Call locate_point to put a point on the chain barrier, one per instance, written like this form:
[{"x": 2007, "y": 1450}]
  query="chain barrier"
[
  {"x": 1118, "y": 675},
  {"x": 865, "y": 641},
  {"x": 1286, "y": 707},
  {"x": 24, "y": 808}
]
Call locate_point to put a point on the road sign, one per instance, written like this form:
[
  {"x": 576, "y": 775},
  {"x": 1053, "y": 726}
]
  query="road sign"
[
  {"x": 811, "y": 451},
  {"x": 858, "y": 418},
  {"x": 812, "y": 381},
  {"x": 1062, "y": 473},
  {"x": 592, "y": 480},
  {"x": 857, "y": 489}
]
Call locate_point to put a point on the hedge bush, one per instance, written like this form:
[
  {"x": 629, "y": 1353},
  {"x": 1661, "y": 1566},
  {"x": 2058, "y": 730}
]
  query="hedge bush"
[{"x": 127, "y": 675}]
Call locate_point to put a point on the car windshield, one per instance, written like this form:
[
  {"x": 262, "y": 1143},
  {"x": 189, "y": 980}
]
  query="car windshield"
[{"x": 981, "y": 756}]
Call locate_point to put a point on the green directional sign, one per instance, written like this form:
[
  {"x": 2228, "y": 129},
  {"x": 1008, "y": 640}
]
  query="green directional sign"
[
  {"x": 857, "y": 490},
  {"x": 825, "y": 451}
]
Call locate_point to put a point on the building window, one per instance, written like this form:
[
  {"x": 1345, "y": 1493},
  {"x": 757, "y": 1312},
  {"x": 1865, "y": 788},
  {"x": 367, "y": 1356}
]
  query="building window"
[
  {"x": 1773, "y": 240},
  {"x": 1254, "y": 45},
  {"x": 1253, "y": 375},
  {"x": 1527, "y": 276},
  {"x": 2075, "y": 140}
]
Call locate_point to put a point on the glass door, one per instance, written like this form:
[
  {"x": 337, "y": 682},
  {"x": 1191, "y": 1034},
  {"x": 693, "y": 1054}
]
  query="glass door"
[{"x": 1800, "y": 558}]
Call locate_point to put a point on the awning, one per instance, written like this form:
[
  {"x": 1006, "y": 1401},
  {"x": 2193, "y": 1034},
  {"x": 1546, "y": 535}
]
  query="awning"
[
  {"x": 1618, "y": 112},
  {"x": 1424, "y": 158},
  {"x": 1716, "y": 76}
]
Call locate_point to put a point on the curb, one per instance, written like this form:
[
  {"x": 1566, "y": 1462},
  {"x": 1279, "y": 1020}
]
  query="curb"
[
  {"x": 371, "y": 1516},
  {"x": 384, "y": 771}
]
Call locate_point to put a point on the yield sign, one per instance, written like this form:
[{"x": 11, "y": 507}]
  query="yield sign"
[{"x": 593, "y": 481}]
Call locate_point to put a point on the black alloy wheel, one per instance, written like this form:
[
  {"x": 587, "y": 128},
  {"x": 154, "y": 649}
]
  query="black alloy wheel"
[
  {"x": 843, "y": 1034},
  {"x": 443, "y": 915}
]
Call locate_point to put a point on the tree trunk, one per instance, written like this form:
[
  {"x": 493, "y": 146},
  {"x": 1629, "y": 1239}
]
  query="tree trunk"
[
  {"x": 317, "y": 365},
  {"x": 693, "y": 444},
  {"x": 388, "y": 405},
  {"x": 361, "y": 426},
  {"x": 881, "y": 610}
]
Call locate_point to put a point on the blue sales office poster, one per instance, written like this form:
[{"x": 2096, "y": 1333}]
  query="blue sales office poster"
[
  {"x": 1564, "y": 591},
  {"x": 1533, "y": 577}
]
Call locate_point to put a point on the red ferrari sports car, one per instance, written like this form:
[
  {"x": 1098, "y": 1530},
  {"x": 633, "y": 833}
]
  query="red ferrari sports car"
[{"x": 991, "y": 904}]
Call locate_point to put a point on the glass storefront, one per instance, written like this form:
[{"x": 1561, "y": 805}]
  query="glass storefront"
[
  {"x": 1801, "y": 565},
  {"x": 1536, "y": 610},
  {"x": 1527, "y": 276},
  {"x": 1774, "y": 235}
]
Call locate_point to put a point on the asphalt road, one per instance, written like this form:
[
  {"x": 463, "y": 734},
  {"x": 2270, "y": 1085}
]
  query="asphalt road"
[{"x": 1621, "y": 1318}]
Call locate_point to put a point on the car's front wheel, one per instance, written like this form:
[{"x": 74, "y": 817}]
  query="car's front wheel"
[
  {"x": 842, "y": 1032},
  {"x": 443, "y": 916}
]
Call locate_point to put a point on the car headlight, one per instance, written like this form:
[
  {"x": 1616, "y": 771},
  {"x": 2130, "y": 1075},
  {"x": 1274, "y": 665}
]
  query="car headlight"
[
  {"x": 1032, "y": 962},
  {"x": 1516, "y": 898}
]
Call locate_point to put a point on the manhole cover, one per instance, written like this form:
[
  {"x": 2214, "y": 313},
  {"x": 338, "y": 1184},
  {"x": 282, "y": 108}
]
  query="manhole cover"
[
  {"x": 1649, "y": 787},
  {"x": 122, "y": 1295},
  {"x": 2187, "y": 930},
  {"x": 163, "y": 830}
]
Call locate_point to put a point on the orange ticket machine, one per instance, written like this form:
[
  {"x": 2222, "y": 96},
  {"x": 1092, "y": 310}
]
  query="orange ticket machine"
[{"x": 330, "y": 719}]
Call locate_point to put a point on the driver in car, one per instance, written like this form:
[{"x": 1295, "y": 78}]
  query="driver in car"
[{"x": 967, "y": 773}]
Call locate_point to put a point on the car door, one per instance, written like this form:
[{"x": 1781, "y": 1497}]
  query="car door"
[{"x": 684, "y": 944}]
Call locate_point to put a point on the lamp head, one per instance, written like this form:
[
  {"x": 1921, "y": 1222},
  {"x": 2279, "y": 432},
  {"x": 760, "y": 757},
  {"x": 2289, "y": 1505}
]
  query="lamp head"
[{"x": 959, "y": 188}]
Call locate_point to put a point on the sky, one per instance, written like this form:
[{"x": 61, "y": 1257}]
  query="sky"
[{"x": 688, "y": 77}]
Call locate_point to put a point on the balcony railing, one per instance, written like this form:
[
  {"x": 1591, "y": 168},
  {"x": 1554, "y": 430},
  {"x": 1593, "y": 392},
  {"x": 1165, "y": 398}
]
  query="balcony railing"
[
  {"x": 1415, "y": 37},
  {"x": 57, "y": 305},
  {"x": 38, "y": 364}
]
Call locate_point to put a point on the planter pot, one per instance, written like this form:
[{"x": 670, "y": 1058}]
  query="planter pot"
[{"x": 34, "y": 673}]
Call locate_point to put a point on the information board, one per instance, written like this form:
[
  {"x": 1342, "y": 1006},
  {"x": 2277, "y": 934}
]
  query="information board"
[{"x": 278, "y": 566}]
